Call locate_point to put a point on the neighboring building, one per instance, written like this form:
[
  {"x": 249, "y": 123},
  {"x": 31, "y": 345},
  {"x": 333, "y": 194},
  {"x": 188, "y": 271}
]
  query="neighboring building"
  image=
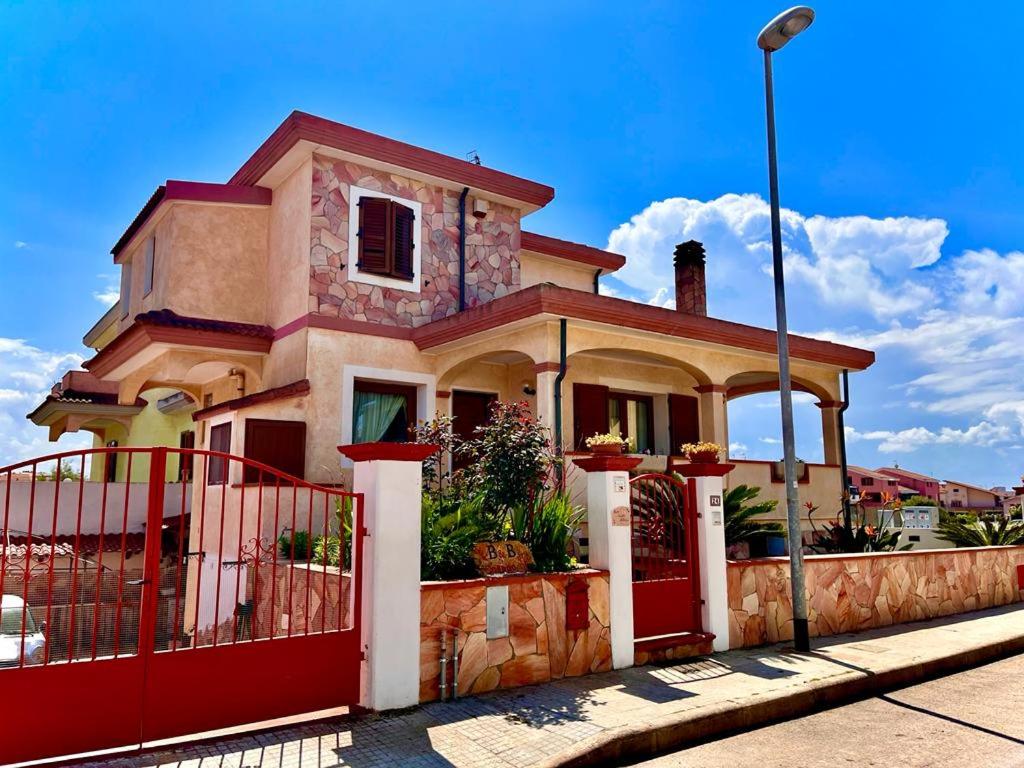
[
  {"x": 343, "y": 286},
  {"x": 1012, "y": 501},
  {"x": 969, "y": 498},
  {"x": 871, "y": 486},
  {"x": 913, "y": 483}
]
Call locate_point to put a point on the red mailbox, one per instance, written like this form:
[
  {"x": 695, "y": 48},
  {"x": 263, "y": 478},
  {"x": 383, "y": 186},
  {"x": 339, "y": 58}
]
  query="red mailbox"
[
  {"x": 1020, "y": 577},
  {"x": 577, "y": 604}
]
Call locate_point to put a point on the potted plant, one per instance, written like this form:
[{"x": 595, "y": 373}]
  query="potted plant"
[
  {"x": 606, "y": 444},
  {"x": 701, "y": 453}
]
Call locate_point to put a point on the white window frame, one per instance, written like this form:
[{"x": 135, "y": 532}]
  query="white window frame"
[
  {"x": 149, "y": 265},
  {"x": 126, "y": 289},
  {"x": 410, "y": 286},
  {"x": 426, "y": 394}
]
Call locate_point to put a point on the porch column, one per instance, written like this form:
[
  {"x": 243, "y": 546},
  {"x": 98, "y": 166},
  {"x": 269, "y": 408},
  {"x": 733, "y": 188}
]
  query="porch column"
[
  {"x": 714, "y": 426},
  {"x": 546, "y": 374},
  {"x": 714, "y": 587},
  {"x": 389, "y": 475},
  {"x": 830, "y": 431},
  {"x": 610, "y": 534}
]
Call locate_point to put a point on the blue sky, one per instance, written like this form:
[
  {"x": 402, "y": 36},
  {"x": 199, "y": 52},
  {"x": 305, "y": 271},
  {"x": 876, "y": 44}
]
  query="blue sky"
[{"x": 900, "y": 165}]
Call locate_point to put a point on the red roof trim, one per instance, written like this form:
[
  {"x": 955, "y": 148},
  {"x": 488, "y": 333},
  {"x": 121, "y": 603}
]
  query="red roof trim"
[
  {"x": 167, "y": 327},
  {"x": 300, "y": 125},
  {"x": 564, "y": 249},
  {"x": 287, "y": 391},
  {"x": 550, "y": 299},
  {"x": 388, "y": 451},
  {"x": 194, "y": 191}
]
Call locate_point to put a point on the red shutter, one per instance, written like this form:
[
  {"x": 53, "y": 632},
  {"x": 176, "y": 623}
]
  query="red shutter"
[
  {"x": 469, "y": 410},
  {"x": 590, "y": 412},
  {"x": 684, "y": 421},
  {"x": 404, "y": 221},
  {"x": 374, "y": 223},
  {"x": 280, "y": 444},
  {"x": 220, "y": 441}
]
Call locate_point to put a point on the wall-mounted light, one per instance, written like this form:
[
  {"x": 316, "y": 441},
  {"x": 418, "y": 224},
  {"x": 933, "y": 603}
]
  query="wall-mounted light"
[{"x": 480, "y": 208}]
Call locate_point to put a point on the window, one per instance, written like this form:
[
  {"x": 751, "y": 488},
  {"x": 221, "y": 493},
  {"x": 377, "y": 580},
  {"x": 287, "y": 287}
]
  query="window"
[
  {"x": 147, "y": 285},
  {"x": 632, "y": 416},
  {"x": 111, "y": 466},
  {"x": 126, "y": 288},
  {"x": 279, "y": 444},
  {"x": 867, "y": 481},
  {"x": 382, "y": 412},
  {"x": 386, "y": 238},
  {"x": 186, "y": 441},
  {"x": 220, "y": 440}
]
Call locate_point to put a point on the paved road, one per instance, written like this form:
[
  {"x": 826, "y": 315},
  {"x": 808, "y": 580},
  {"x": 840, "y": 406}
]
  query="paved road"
[{"x": 974, "y": 718}]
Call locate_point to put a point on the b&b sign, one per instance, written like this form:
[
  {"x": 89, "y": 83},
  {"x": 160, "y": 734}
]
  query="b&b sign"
[{"x": 494, "y": 558}]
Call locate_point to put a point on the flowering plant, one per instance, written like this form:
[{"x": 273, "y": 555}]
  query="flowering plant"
[
  {"x": 605, "y": 439},
  {"x": 701, "y": 453}
]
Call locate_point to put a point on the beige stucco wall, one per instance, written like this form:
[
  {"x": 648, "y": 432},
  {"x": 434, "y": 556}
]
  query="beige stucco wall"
[
  {"x": 210, "y": 262},
  {"x": 535, "y": 268},
  {"x": 823, "y": 489},
  {"x": 288, "y": 255}
]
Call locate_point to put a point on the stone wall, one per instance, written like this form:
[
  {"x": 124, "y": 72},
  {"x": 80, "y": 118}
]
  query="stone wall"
[
  {"x": 847, "y": 593},
  {"x": 538, "y": 648},
  {"x": 492, "y": 250}
]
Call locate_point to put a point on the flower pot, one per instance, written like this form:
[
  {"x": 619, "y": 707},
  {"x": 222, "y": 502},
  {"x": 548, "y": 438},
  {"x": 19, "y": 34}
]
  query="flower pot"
[
  {"x": 608, "y": 449},
  {"x": 704, "y": 458}
]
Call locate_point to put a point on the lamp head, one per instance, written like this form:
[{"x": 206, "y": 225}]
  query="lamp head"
[{"x": 785, "y": 27}]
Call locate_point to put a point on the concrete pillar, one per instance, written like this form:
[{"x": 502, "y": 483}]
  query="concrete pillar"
[
  {"x": 714, "y": 424},
  {"x": 711, "y": 546},
  {"x": 389, "y": 475},
  {"x": 830, "y": 431},
  {"x": 546, "y": 373},
  {"x": 610, "y": 536}
]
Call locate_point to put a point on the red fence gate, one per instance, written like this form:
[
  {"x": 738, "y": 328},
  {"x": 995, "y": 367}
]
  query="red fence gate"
[
  {"x": 666, "y": 581},
  {"x": 146, "y": 609}
]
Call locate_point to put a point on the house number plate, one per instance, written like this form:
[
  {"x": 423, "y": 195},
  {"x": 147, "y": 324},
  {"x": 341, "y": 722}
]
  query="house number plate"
[
  {"x": 714, "y": 501},
  {"x": 621, "y": 516}
]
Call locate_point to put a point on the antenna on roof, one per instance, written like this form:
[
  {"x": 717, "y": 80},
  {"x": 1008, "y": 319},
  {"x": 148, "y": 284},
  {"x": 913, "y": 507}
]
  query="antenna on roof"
[{"x": 473, "y": 157}]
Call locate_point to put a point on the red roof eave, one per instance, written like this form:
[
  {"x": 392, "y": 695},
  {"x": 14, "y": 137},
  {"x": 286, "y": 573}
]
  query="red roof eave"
[
  {"x": 193, "y": 191},
  {"x": 553, "y": 300},
  {"x": 565, "y": 249},
  {"x": 300, "y": 126}
]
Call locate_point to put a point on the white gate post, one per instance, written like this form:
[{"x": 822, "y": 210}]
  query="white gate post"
[
  {"x": 714, "y": 588},
  {"x": 389, "y": 475},
  {"x": 609, "y": 532}
]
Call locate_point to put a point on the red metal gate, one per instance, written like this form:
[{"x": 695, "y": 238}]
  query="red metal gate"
[
  {"x": 148, "y": 609},
  {"x": 666, "y": 581}
]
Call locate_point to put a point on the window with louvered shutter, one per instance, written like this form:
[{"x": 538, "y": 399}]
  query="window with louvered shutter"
[
  {"x": 404, "y": 219},
  {"x": 374, "y": 225}
]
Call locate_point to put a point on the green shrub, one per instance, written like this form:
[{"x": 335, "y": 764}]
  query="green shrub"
[
  {"x": 982, "y": 533},
  {"x": 449, "y": 529},
  {"x": 299, "y": 542},
  {"x": 329, "y": 547},
  {"x": 740, "y": 522},
  {"x": 547, "y": 528}
]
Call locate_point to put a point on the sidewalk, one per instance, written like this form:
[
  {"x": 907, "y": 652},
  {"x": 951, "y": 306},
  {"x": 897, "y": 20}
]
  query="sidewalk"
[{"x": 636, "y": 712}]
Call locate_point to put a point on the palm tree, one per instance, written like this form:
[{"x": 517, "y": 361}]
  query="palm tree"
[
  {"x": 740, "y": 524},
  {"x": 983, "y": 533}
]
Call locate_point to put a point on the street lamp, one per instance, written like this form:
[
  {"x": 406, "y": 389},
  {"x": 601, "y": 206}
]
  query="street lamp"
[{"x": 780, "y": 31}]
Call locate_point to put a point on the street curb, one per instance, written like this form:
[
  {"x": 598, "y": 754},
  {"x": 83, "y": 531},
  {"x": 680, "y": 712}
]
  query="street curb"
[{"x": 644, "y": 740}]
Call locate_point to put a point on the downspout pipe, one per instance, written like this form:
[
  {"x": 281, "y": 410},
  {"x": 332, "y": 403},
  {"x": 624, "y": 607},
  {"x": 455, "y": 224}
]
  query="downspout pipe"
[
  {"x": 847, "y": 513},
  {"x": 562, "y": 333},
  {"x": 462, "y": 248},
  {"x": 597, "y": 281}
]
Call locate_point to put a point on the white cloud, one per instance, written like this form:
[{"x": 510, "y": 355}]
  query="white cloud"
[
  {"x": 853, "y": 261},
  {"x": 770, "y": 440},
  {"x": 108, "y": 297},
  {"x": 738, "y": 449},
  {"x": 19, "y": 244},
  {"x": 26, "y": 375},
  {"x": 984, "y": 434}
]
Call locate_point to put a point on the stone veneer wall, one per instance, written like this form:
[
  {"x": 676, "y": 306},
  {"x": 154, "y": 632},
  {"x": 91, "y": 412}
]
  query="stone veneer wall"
[
  {"x": 492, "y": 250},
  {"x": 847, "y": 593},
  {"x": 538, "y": 648}
]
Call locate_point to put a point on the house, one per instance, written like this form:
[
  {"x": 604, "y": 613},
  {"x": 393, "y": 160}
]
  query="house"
[
  {"x": 870, "y": 486},
  {"x": 342, "y": 286},
  {"x": 912, "y": 483},
  {"x": 968, "y": 498}
]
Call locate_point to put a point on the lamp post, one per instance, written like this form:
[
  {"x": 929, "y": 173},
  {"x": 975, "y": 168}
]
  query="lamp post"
[{"x": 774, "y": 36}]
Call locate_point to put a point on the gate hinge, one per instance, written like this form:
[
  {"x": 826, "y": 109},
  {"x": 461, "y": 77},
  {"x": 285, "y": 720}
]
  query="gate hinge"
[
  {"x": 366, "y": 532},
  {"x": 362, "y": 655},
  {"x": 700, "y": 514}
]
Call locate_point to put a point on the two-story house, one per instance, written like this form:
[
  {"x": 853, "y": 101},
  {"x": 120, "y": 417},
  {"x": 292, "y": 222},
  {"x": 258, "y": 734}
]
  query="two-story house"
[
  {"x": 969, "y": 498},
  {"x": 913, "y": 483},
  {"x": 341, "y": 286}
]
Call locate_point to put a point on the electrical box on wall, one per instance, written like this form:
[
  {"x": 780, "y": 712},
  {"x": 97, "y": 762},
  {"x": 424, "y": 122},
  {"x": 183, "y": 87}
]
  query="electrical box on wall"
[
  {"x": 497, "y": 612},
  {"x": 577, "y": 604}
]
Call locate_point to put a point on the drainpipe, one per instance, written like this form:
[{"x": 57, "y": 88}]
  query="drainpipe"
[
  {"x": 558, "y": 399},
  {"x": 462, "y": 248},
  {"x": 597, "y": 281},
  {"x": 847, "y": 514}
]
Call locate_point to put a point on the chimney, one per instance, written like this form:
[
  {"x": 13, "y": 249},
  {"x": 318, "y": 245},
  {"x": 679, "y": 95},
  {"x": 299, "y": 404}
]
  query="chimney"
[{"x": 691, "y": 293}]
